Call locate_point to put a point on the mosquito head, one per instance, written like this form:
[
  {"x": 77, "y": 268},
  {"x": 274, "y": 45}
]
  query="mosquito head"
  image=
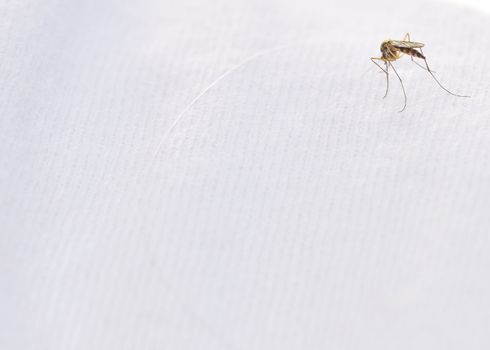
[
  {"x": 387, "y": 51},
  {"x": 383, "y": 46}
]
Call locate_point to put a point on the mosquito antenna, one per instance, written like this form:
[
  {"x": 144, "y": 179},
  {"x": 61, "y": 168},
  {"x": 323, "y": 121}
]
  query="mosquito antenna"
[
  {"x": 403, "y": 88},
  {"x": 437, "y": 81}
]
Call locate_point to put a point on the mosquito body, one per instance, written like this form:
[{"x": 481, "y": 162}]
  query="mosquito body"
[{"x": 392, "y": 50}]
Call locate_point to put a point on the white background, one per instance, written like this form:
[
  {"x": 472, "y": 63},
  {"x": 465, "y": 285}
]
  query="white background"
[
  {"x": 477, "y": 4},
  {"x": 225, "y": 175}
]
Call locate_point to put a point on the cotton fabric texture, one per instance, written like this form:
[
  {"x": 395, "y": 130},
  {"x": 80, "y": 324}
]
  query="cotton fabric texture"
[{"x": 226, "y": 175}]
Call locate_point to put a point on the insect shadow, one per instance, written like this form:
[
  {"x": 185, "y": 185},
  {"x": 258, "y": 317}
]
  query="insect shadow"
[{"x": 392, "y": 50}]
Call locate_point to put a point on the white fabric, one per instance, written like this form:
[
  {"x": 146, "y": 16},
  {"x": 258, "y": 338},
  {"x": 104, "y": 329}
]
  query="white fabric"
[
  {"x": 226, "y": 175},
  {"x": 476, "y": 4}
]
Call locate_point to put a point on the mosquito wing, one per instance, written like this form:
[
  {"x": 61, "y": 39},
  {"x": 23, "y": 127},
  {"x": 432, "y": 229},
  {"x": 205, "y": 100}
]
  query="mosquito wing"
[{"x": 406, "y": 44}]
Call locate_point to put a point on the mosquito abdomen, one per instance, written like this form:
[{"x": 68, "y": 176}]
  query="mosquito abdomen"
[{"x": 411, "y": 52}]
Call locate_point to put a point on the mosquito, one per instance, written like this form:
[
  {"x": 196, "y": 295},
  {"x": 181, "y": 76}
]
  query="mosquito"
[{"x": 391, "y": 50}]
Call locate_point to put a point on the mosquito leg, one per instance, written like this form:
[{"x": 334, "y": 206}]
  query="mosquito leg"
[
  {"x": 387, "y": 80},
  {"x": 421, "y": 66},
  {"x": 384, "y": 71},
  {"x": 418, "y": 64},
  {"x": 437, "y": 81},
  {"x": 407, "y": 38},
  {"x": 403, "y": 88},
  {"x": 378, "y": 59}
]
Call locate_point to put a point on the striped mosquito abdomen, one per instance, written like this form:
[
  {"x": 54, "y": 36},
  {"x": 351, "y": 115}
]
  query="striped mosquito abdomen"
[{"x": 411, "y": 52}]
